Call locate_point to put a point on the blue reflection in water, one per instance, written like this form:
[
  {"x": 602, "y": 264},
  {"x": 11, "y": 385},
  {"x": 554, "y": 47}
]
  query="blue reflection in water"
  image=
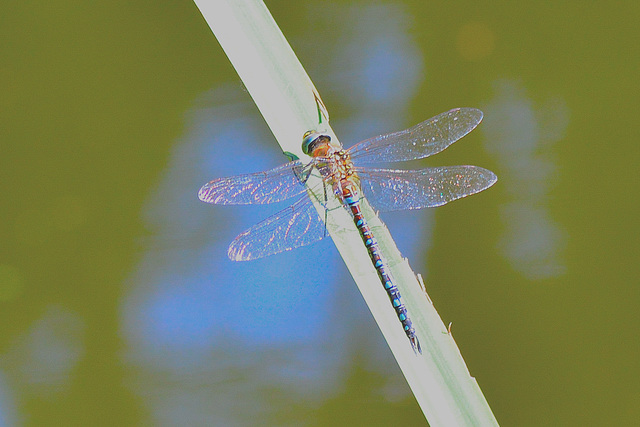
[
  {"x": 40, "y": 363},
  {"x": 8, "y": 407},
  {"x": 199, "y": 299},
  {"x": 521, "y": 137}
]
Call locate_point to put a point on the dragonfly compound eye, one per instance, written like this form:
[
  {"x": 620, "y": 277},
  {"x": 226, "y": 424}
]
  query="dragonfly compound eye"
[{"x": 312, "y": 139}]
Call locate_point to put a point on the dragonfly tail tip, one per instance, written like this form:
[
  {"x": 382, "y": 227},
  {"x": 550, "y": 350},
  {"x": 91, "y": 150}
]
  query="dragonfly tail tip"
[{"x": 416, "y": 345}]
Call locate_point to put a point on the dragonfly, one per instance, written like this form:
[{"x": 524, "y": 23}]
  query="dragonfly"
[{"x": 342, "y": 177}]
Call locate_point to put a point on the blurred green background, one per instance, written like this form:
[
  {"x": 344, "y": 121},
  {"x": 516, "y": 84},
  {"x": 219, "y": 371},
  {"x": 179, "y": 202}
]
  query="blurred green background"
[{"x": 100, "y": 106}]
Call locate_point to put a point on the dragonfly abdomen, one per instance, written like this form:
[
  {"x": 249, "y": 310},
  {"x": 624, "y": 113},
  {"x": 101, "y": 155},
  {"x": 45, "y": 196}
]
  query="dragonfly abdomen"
[{"x": 352, "y": 200}]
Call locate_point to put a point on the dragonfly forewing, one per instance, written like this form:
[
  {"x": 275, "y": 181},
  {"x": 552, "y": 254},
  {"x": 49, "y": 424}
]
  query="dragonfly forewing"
[
  {"x": 274, "y": 185},
  {"x": 392, "y": 190},
  {"x": 422, "y": 140}
]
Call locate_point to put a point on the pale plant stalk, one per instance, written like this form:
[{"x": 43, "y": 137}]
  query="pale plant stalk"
[{"x": 291, "y": 105}]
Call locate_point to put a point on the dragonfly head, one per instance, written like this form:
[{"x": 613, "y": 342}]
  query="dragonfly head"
[{"x": 316, "y": 144}]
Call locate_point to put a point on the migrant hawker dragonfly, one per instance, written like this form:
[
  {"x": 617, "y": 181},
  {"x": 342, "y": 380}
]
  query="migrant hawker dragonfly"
[{"x": 343, "y": 177}]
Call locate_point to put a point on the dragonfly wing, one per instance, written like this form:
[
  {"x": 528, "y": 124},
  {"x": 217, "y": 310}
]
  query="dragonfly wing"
[
  {"x": 298, "y": 225},
  {"x": 423, "y": 140},
  {"x": 390, "y": 190},
  {"x": 274, "y": 185}
]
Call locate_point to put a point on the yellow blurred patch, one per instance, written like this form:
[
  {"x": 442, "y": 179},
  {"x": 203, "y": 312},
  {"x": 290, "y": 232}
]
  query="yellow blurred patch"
[
  {"x": 11, "y": 283},
  {"x": 475, "y": 41}
]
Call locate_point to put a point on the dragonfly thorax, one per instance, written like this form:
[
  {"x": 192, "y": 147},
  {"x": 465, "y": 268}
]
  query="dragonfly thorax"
[
  {"x": 340, "y": 173},
  {"x": 343, "y": 166}
]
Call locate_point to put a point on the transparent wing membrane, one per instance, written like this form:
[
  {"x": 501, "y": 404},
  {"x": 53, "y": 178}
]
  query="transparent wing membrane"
[
  {"x": 297, "y": 225},
  {"x": 274, "y": 185},
  {"x": 392, "y": 190},
  {"x": 423, "y": 140}
]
